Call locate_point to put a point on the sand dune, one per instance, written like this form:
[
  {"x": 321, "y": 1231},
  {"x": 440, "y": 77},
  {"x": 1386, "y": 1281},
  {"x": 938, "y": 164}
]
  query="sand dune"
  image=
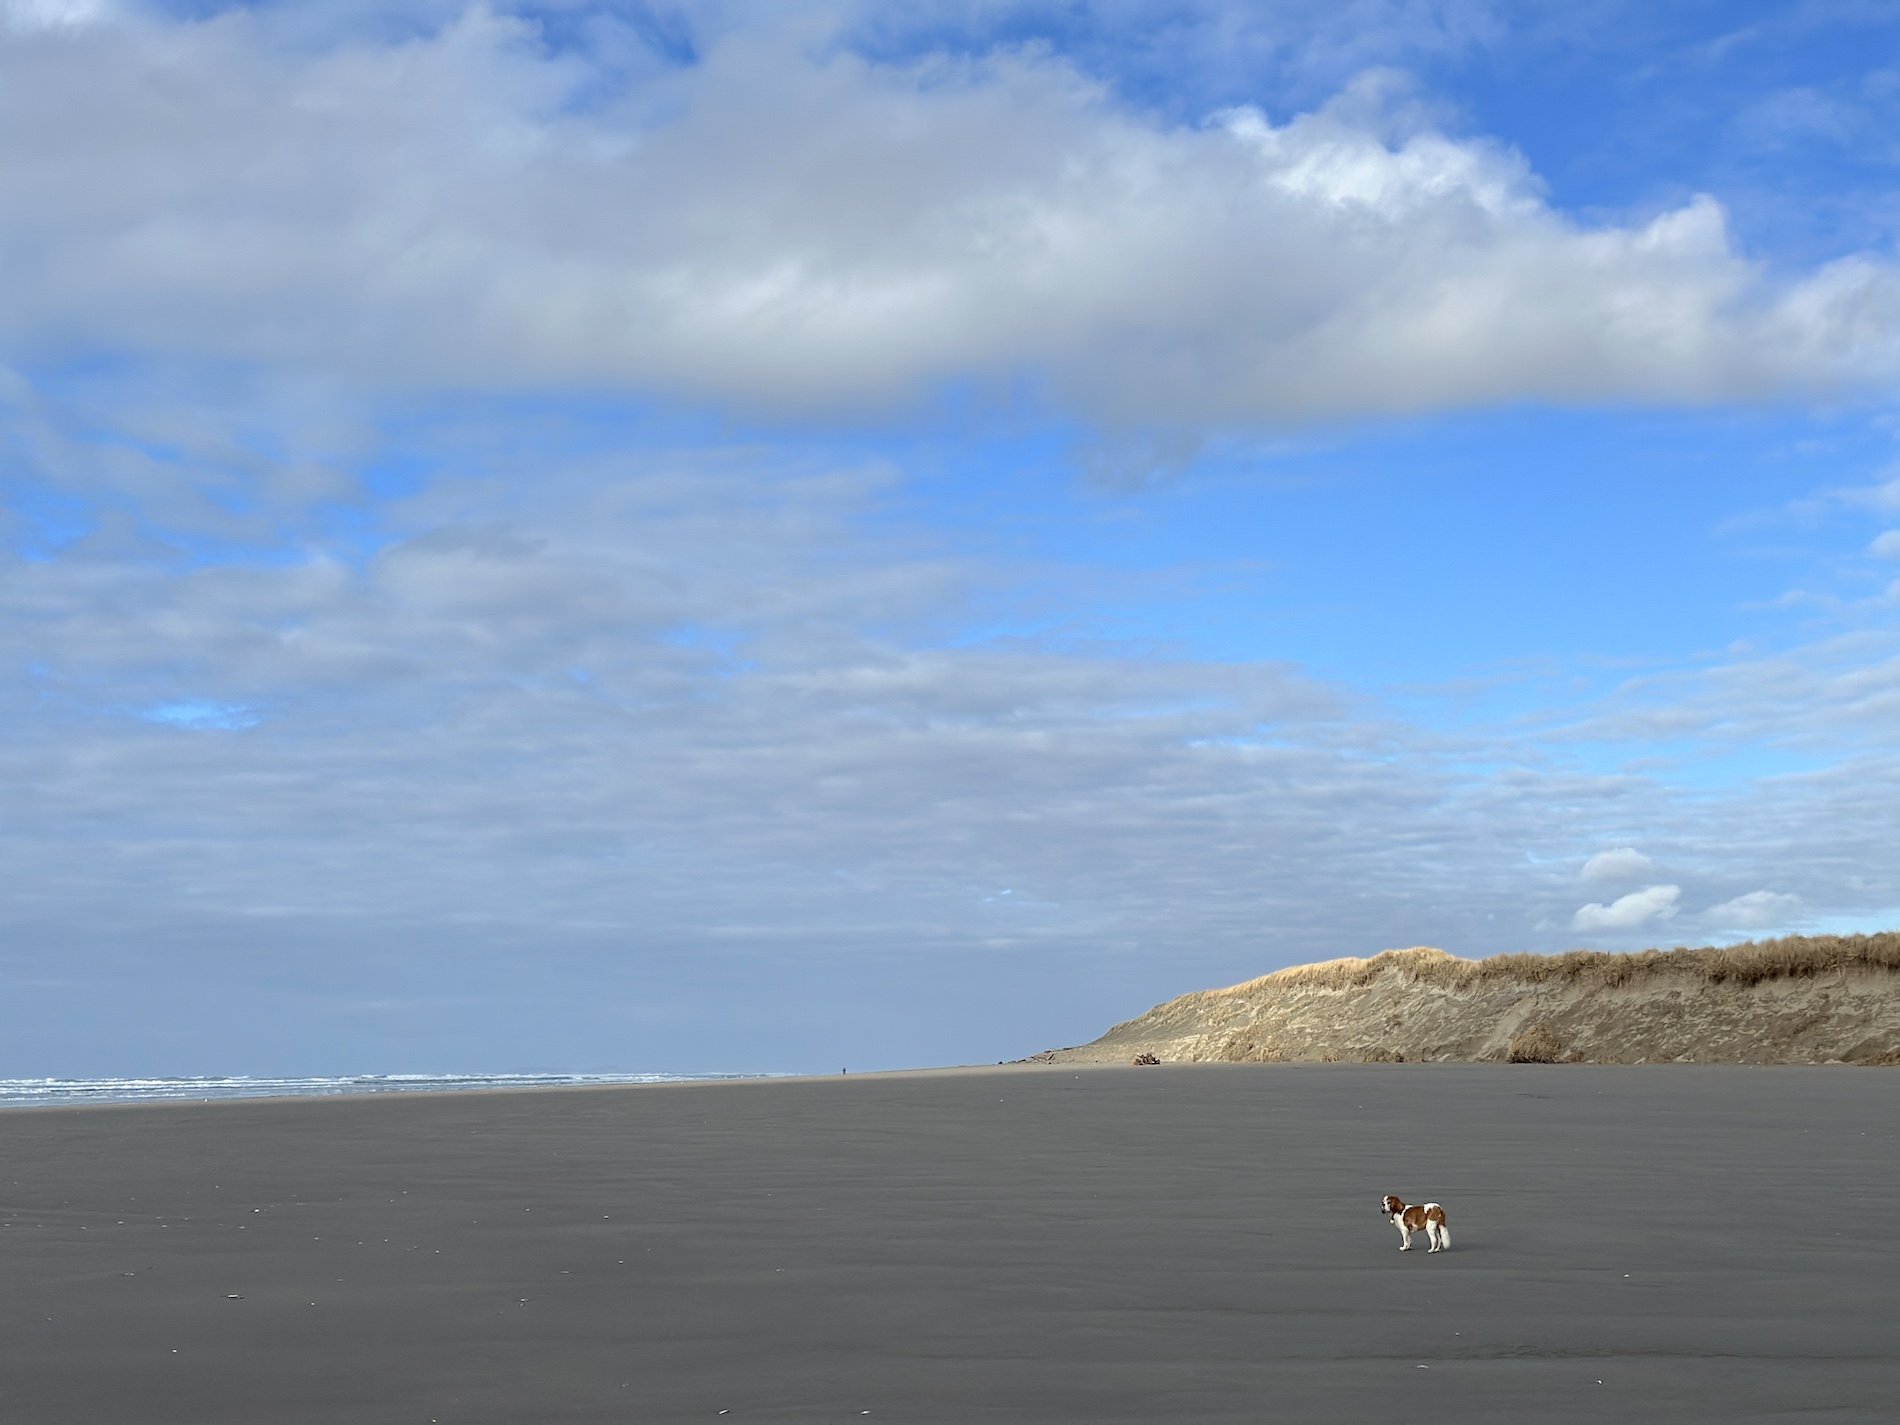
[{"x": 1792, "y": 1001}]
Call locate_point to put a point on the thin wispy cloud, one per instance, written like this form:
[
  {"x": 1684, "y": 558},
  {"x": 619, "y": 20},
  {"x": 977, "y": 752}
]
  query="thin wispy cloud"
[{"x": 1755, "y": 911}]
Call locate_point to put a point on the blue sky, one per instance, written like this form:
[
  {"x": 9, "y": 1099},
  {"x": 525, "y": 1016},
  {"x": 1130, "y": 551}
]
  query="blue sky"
[{"x": 731, "y": 536}]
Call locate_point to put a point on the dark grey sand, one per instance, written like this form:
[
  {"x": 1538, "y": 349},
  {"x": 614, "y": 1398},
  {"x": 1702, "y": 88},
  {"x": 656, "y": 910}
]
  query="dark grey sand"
[{"x": 1176, "y": 1244}]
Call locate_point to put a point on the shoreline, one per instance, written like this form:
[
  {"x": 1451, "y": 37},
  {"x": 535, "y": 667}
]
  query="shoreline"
[
  {"x": 355, "y": 1096},
  {"x": 935, "y": 1071}
]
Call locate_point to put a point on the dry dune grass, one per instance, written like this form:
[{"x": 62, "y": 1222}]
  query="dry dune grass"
[
  {"x": 1802, "y": 999},
  {"x": 1536, "y": 1045},
  {"x": 1749, "y": 963}
]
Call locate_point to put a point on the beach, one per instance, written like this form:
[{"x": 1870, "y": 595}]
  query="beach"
[{"x": 1024, "y": 1244}]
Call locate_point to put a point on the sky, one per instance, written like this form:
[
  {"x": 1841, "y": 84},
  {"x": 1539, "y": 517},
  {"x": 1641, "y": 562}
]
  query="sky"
[{"x": 733, "y": 536}]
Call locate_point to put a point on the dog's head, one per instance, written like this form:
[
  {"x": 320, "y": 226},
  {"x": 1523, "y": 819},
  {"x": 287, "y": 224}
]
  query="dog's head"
[{"x": 1390, "y": 1204}]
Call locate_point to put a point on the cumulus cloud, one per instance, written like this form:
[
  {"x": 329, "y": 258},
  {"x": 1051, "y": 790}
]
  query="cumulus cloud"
[
  {"x": 1630, "y": 912},
  {"x": 786, "y": 224},
  {"x": 1757, "y": 910},
  {"x": 1623, "y": 863}
]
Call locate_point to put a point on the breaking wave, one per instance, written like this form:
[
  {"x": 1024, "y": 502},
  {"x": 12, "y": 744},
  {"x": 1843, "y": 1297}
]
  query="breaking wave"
[{"x": 20, "y": 1093}]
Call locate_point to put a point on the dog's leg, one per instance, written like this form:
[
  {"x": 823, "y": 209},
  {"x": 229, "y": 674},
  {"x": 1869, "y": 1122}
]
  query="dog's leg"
[{"x": 1405, "y": 1235}]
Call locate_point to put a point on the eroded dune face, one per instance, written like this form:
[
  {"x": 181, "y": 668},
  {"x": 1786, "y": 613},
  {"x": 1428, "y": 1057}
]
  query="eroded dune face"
[{"x": 1795, "y": 1001}]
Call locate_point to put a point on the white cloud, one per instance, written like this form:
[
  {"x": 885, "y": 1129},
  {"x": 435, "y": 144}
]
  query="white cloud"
[
  {"x": 787, "y": 225},
  {"x": 1887, "y": 545},
  {"x": 1624, "y": 863},
  {"x": 1882, "y": 496},
  {"x": 1757, "y": 910},
  {"x": 1630, "y": 912}
]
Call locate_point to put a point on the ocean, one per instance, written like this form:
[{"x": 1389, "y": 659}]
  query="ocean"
[{"x": 46, "y": 1093}]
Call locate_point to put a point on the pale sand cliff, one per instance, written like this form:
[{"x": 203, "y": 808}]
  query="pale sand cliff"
[{"x": 1802, "y": 1000}]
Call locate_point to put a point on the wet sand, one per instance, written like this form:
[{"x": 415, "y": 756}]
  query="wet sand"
[{"x": 1036, "y": 1245}]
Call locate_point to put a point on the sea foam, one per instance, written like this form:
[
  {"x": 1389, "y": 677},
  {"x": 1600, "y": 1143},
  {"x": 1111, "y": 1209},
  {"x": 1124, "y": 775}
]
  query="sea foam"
[{"x": 21, "y": 1093}]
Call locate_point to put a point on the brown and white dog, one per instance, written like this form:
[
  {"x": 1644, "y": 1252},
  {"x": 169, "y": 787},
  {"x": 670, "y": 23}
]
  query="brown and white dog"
[{"x": 1426, "y": 1217}]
